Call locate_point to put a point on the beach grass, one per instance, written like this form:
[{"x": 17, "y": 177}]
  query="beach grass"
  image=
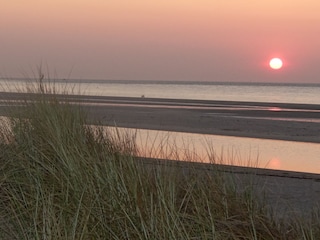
[{"x": 61, "y": 178}]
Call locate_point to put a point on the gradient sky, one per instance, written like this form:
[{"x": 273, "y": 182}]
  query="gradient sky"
[{"x": 202, "y": 40}]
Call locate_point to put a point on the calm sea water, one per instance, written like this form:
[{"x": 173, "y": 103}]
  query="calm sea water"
[
  {"x": 284, "y": 93},
  {"x": 255, "y": 92}
]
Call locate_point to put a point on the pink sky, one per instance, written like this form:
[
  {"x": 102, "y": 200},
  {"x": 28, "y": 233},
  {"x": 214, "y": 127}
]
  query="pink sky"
[{"x": 203, "y": 40}]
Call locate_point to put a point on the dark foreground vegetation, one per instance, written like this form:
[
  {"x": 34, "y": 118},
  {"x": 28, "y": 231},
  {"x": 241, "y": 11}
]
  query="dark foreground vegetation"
[{"x": 63, "y": 179}]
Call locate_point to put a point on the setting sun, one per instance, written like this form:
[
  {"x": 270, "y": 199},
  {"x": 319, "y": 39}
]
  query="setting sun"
[{"x": 275, "y": 63}]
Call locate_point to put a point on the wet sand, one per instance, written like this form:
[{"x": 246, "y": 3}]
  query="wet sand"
[
  {"x": 280, "y": 121},
  {"x": 292, "y": 122}
]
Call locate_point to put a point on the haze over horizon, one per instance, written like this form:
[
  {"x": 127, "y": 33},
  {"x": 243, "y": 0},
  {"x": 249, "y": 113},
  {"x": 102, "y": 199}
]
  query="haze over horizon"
[{"x": 205, "y": 40}]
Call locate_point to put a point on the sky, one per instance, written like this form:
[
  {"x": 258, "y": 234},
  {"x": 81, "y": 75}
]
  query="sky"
[{"x": 188, "y": 40}]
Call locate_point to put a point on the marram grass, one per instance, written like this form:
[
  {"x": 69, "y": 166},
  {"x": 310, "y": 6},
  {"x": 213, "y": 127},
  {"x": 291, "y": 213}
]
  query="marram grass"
[{"x": 63, "y": 179}]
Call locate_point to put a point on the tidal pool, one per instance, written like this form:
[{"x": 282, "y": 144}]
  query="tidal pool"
[{"x": 240, "y": 151}]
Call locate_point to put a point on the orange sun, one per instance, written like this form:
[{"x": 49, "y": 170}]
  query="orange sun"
[{"x": 275, "y": 63}]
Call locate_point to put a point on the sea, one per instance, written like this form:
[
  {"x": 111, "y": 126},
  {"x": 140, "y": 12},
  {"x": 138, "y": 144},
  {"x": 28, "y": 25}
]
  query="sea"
[
  {"x": 264, "y": 153},
  {"x": 253, "y": 92},
  {"x": 304, "y": 93}
]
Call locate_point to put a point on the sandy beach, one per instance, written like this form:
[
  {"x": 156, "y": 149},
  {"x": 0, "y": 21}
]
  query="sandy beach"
[
  {"x": 292, "y": 122},
  {"x": 285, "y": 191},
  {"x": 280, "y": 121}
]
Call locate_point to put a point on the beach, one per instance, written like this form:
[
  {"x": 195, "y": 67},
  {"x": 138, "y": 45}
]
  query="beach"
[
  {"x": 291, "y": 122},
  {"x": 294, "y": 122},
  {"x": 287, "y": 193},
  {"x": 279, "y": 121}
]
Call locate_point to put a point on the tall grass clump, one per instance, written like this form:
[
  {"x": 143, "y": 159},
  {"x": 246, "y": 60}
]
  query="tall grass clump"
[{"x": 61, "y": 178}]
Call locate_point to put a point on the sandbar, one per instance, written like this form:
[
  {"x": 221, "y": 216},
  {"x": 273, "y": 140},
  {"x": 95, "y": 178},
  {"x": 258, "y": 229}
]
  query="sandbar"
[{"x": 279, "y": 121}]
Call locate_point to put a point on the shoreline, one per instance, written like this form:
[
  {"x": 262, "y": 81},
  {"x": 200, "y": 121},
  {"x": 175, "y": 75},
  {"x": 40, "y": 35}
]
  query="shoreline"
[{"x": 262, "y": 120}]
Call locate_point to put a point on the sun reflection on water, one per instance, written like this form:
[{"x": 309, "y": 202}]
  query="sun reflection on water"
[{"x": 248, "y": 152}]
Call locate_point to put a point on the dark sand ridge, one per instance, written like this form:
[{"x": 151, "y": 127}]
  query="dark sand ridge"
[
  {"x": 287, "y": 194},
  {"x": 292, "y": 122},
  {"x": 285, "y": 191},
  {"x": 267, "y": 121}
]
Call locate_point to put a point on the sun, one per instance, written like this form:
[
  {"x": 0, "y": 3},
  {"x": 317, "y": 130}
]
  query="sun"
[{"x": 276, "y": 63}]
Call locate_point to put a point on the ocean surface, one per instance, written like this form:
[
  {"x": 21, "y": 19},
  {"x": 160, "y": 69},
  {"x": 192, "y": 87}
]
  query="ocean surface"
[{"x": 252, "y": 92}]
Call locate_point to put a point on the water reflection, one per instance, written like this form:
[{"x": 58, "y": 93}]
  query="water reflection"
[
  {"x": 275, "y": 163},
  {"x": 264, "y": 153},
  {"x": 240, "y": 151}
]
